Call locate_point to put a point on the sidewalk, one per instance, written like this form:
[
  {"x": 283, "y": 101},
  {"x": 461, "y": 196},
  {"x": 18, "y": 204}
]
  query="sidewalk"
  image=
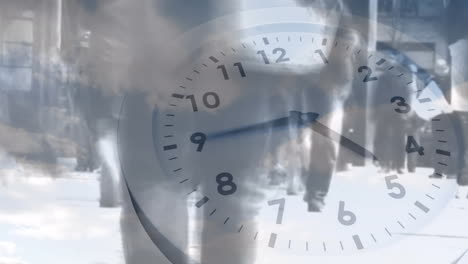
[{"x": 48, "y": 221}]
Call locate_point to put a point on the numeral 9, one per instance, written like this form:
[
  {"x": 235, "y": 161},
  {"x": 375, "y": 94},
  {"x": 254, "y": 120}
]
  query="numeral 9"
[{"x": 199, "y": 139}]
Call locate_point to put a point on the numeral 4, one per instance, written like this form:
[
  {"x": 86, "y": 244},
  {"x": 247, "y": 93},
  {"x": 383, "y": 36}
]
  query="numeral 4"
[{"x": 413, "y": 146}]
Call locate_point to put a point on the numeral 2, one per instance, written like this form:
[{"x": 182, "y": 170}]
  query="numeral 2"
[{"x": 368, "y": 77}]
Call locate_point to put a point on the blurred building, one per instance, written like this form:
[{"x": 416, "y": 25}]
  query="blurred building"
[{"x": 36, "y": 105}]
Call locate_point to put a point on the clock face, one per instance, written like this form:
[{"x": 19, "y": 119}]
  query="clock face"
[{"x": 247, "y": 138}]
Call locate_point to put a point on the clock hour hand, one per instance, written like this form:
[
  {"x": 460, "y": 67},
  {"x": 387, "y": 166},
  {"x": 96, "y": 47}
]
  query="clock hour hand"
[{"x": 295, "y": 118}]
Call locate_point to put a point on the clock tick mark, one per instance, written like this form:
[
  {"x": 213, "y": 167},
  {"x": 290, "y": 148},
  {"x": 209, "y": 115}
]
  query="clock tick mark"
[
  {"x": 402, "y": 226},
  {"x": 441, "y": 163},
  {"x": 440, "y": 130},
  {"x": 212, "y": 212},
  {"x": 300, "y": 38},
  {"x": 336, "y": 43},
  {"x": 194, "y": 190},
  {"x": 169, "y": 136},
  {"x": 202, "y": 202},
  {"x": 222, "y": 53},
  {"x": 380, "y": 62},
  {"x": 307, "y": 246},
  {"x": 424, "y": 100},
  {"x": 442, "y": 141},
  {"x": 421, "y": 206},
  {"x": 178, "y": 96},
  {"x": 401, "y": 74},
  {"x": 430, "y": 197},
  {"x": 277, "y": 39},
  {"x": 225, "y": 221},
  {"x": 289, "y": 244},
  {"x": 412, "y": 216},
  {"x": 443, "y": 152},
  {"x": 388, "y": 232},
  {"x": 435, "y": 119},
  {"x": 324, "y": 42},
  {"x": 266, "y": 41},
  {"x": 255, "y": 43},
  {"x": 341, "y": 244},
  {"x": 324, "y": 247},
  {"x": 213, "y": 59},
  {"x": 206, "y": 66},
  {"x": 173, "y": 105},
  {"x": 435, "y": 185},
  {"x": 359, "y": 51},
  {"x": 233, "y": 49},
  {"x": 188, "y": 79},
  {"x": 391, "y": 67},
  {"x": 255, "y": 237},
  {"x": 170, "y": 115},
  {"x": 183, "y": 87},
  {"x": 431, "y": 109},
  {"x": 373, "y": 238},
  {"x": 170, "y": 147},
  {"x": 370, "y": 56},
  {"x": 176, "y": 170},
  {"x": 243, "y": 45},
  {"x": 438, "y": 174},
  {"x": 240, "y": 229},
  {"x": 358, "y": 242},
  {"x": 195, "y": 71},
  {"x": 173, "y": 158},
  {"x": 183, "y": 181},
  {"x": 168, "y": 125}
]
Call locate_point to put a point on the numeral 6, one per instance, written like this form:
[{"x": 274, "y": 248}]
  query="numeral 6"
[{"x": 345, "y": 217}]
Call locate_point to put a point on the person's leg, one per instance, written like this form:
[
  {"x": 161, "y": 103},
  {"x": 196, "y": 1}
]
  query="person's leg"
[
  {"x": 382, "y": 135},
  {"x": 143, "y": 174},
  {"x": 398, "y": 146},
  {"x": 462, "y": 168},
  {"x": 221, "y": 241},
  {"x": 295, "y": 146},
  {"x": 320, "y": 171},
  {"x": 323, "y": 158}
]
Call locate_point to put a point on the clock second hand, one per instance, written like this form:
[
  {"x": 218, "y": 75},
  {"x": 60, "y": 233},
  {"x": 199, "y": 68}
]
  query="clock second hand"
[
  {"x": 344, "y": 141},
  {"x": 301, "y": 120}
]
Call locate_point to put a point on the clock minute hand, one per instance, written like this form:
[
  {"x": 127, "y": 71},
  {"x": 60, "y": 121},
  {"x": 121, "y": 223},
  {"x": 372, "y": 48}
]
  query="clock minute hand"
[
  {"x": 344, "y": 141},
  {"x": 295, "y": 119}
]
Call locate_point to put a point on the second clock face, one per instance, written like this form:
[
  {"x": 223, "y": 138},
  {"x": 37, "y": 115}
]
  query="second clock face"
[{"x": 250, "y": 137}]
